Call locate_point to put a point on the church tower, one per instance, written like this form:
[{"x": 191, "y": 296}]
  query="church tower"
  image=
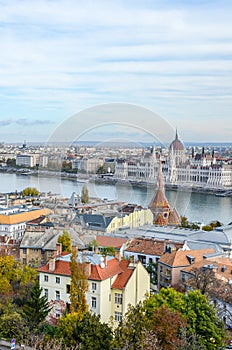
[{"x": 162, "y": 213}]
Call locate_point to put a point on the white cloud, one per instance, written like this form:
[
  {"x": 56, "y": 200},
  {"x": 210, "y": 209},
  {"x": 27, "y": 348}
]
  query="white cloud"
[{"x": 77, "y": 54}]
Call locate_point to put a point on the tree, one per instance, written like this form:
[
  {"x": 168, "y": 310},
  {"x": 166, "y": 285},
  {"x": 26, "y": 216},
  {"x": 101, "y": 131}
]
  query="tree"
[
  {"x": 203, "y": 321},
  {"x": 152, "y": 270},
  {"x": 66, "y": 241},
  {"x": 12, "y": 325},
  {"x": 78, "y": 288},
  {"x": 30, "y": 191},
  {"x": 15, "y": 279},
  {"x": 107, "y": 251},
  {"x": 203, "y": 279},
  {"x": 36, "y": 308},
  {"x": 93, "y": 245},
  {"x": 196, "y": 308},
  {"x": 84, "y": 195},
  {"x": 11, "y": 162},
  {"x": 166, "y": 326},
  {"x": 90, "y": 333},
  {"x": 131, "y": 331}
]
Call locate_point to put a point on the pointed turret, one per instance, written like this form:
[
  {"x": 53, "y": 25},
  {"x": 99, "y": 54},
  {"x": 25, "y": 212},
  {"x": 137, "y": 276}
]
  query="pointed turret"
[
  {"x": 159, "y": 203},
  {"x": 162, "y": 212}
]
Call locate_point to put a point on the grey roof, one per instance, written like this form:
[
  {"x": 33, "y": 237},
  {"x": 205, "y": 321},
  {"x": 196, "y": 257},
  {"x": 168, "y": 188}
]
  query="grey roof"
[
  {"x": 47, "y": 240},
  {"x": 221, "y": 236},
  {"x": 94, "y": 221},
  {"x": 93, "y": 258}
]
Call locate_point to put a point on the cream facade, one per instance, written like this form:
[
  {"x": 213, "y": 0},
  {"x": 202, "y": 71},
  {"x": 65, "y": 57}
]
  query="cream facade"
[{"x": 112, "y": 287}]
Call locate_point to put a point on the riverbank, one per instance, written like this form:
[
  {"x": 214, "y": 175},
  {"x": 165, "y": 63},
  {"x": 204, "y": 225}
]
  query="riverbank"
[{"x": 111, "y": 180}]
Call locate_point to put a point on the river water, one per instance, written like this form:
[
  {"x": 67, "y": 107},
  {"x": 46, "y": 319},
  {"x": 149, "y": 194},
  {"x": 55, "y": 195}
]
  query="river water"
[{"x": 196, "y": 207}]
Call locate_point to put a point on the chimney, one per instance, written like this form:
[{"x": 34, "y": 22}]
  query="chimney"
[
  {"x": 52, "y": 264},
  {"x": 105, "y": 261},
  {"x": 117, "y": 255},
  {"x": 58, "y": 249},
  {"x": 87, "y": 268}
]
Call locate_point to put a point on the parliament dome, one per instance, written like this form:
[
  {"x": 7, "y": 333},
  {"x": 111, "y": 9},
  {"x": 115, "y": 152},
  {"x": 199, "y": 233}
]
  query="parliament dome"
[{"x": 176, "y": 144}]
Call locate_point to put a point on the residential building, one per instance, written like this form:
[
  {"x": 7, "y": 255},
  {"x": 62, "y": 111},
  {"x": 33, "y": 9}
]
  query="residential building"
[
  {"x": 113, "y": 284},
  {"x": 26, "y": 160},
  {"x": 40, "y": 243},
  {"x": 171, "y": 263},
  {"x": 13, "y": 220},
  {"x": 149, "y": 250}
]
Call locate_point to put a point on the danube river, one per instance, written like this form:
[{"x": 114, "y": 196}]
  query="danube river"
[{"x": 197, "y": 207}]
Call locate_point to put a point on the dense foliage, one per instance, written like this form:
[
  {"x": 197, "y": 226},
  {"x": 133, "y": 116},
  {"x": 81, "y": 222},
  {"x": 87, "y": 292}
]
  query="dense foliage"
[
  {"x": 166, "y": 320},
  {"x": 30, "y": 191},
  {"x": 84, "y": 195},
  {"x": 66, "y": 241}
]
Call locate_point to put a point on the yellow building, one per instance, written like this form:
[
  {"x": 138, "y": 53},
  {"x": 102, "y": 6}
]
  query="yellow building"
[{"x": 113, "y": 285}]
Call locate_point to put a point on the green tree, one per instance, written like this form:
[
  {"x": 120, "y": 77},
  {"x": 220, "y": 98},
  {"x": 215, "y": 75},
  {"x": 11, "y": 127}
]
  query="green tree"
[
  {"x": 196, "y": 308},
  {"x": 90, "y": 333},
  {"x": 12, "y": 325},
  {"x": 78, "y": 287},
  {"x": 11, "y": 162},
  {"x": 36, "y": 308},
  {"x": 84, "y": 195},
  {"x": 15, "y": 278},
  {"x": 152, "y": 270},
  {"x": 66, "y": 241},
  {"x": 131, "y": 331},
  {"x": 30, "y": 191},
  {"x": 203, "y": 321},
  {"x": 93, "y": 245},
  {"x": 110, "y": 251}
]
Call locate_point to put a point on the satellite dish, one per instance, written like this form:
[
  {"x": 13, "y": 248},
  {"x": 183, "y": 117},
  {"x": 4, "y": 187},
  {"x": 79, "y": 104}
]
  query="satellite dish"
[
  {"x": 101, "y": 258},
  {"x": 102, "y": 265}
]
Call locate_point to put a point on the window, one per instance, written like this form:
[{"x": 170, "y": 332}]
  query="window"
[
  {"x": 46, "y": 293},
  {"x": 57, "y": 295},
  {"x": 94, "y": 286},
  {"x": 24, "y": 261},
  {"x": 68, "y": 288},
  {"x": 117, "y": 316},
  {"x": 94, "y": 302},
  {"x": 58, "y": 280},
  {"x": 45, "y": 278},
  {"x": 24, "y": 250},
  {"x": 58, "y": 313},
  {"x": 118, "y": 298}
]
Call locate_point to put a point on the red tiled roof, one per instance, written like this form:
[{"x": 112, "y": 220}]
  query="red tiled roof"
[
  {"x": 151, "y": 246},
  {"x": 97, "y": 273},
  {"x": 180, "y": 258},
  {"x": 61, "y": 268},
  {"x": 124, "y": 276},
  {"x": 106, "y": 241}
]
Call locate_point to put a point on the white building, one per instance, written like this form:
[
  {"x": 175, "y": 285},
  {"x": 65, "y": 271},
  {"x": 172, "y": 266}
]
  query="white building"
[
  {"x": 113, "y": 285},
  {"x": 26, "y": 160},
  {"x": 178, "y": 169}
]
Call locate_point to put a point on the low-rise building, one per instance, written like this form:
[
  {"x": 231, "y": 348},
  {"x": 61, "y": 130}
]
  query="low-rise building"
[
  {"x": 171, "y": 264},
  {"x": 13, "y": 220},
  {"x": 113, "y": 284}
]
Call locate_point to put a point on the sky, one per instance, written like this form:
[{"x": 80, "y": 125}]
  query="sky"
[{"x": 58, "y": 58}]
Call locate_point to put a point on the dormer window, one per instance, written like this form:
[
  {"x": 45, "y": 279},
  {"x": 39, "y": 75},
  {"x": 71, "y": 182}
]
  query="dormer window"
[{"x": 191, "y": 259}]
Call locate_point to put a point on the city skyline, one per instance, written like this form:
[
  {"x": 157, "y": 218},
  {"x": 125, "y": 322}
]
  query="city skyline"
[{"x": 171, "y": 57}]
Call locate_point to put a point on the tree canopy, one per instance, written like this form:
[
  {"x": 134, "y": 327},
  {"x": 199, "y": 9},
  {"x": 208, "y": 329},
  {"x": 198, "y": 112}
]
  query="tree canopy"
[
  {"x": 84, "y": 195},
  {"x": 66, "y": 241},
  {"x": 30, "y": 191}
]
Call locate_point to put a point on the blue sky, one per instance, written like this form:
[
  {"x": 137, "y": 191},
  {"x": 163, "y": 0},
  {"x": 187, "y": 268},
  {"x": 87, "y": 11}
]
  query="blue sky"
[{"x": 60, "y": 57}]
